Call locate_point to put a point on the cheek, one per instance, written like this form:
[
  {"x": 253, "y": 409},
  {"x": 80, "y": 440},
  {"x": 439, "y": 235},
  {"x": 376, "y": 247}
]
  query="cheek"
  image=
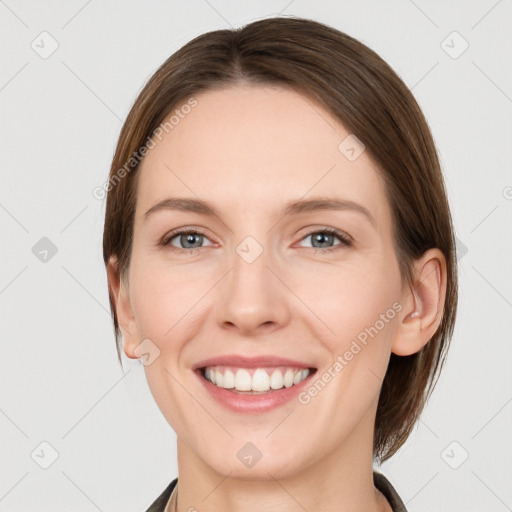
[
  {"x": 359, "y": 306},
  {"x": 361, "y": 315},
  {"x": 167, "y": 301},
  {"x": 350, "y": 299}
]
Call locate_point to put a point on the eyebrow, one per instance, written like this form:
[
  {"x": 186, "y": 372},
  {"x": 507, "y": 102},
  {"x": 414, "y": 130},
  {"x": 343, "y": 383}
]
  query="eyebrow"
[{"x": 291, "y": 208}]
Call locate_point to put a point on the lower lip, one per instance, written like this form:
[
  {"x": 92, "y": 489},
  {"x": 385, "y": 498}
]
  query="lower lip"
[{"x": 253, "y": 404}]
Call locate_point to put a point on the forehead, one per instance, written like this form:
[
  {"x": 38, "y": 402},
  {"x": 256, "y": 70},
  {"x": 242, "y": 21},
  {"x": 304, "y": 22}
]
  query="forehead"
[{"x": 256, "y": 147}]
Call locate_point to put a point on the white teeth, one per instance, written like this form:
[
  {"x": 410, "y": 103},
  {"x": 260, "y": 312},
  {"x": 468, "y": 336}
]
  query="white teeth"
[
  {"x": 261, "y": 379},
  {"x": 276, "y": 380},
  {"x": 288, "y": 378},
  {"x": 229, "y": 379},
  {"x": 296, "y": 379},
  {"x": 243, "y": 380},
  {"x": 210, "y": 375}
]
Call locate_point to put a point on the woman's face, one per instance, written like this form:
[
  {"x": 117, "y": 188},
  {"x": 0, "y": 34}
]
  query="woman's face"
[{"x": 260, "y": 280}]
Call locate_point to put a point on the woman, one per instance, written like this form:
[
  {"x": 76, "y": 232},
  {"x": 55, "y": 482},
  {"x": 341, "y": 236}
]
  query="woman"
[{"x": 280, "y": 256}]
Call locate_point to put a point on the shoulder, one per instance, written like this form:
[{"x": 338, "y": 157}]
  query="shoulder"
[
  {"x": 385, "y": 487},
  {"x": 159, "y": 504}
]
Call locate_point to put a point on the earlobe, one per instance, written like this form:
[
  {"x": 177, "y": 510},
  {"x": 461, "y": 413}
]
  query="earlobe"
[
  {"x": 423, "y": 304},
  {"x": 119, "y": 292}
]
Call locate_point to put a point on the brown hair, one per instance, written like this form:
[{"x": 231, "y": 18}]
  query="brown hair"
[{"x": 362, "y": 91}]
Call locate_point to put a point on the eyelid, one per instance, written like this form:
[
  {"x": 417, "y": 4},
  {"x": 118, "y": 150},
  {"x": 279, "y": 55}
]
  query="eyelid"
[
  {"x": 327, "y": 229},
  {"x": 180, "y": 231},
  {"x": 345, "y": 239}
]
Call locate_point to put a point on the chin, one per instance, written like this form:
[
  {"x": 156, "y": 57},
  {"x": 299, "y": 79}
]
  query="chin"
[{"x": 244, "y": 460}]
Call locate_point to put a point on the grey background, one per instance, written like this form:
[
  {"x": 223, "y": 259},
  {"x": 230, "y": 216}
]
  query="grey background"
[{"x": 60, "y": 118}]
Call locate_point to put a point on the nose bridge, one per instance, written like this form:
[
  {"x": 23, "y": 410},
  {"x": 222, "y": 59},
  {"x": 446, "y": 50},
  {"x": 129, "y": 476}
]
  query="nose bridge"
[
  {"x": 252, "y": 296},
  {"x": 250, "y": 275},
  {"x": 250, "y": 263}
]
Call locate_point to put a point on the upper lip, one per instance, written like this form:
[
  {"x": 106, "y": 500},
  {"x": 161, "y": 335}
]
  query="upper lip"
[{"x": 250, "y": 362}]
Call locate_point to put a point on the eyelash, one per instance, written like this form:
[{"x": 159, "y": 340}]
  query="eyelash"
[{"x": 344, "y": 239}]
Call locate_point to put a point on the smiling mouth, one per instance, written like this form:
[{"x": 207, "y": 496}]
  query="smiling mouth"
[{"x": 254, "y": 381}]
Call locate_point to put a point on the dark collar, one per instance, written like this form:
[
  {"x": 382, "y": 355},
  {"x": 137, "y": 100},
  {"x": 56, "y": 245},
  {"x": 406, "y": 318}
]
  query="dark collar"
[
  {"x": 160, "y": 503},
  {"x": 385, "y": 487}
]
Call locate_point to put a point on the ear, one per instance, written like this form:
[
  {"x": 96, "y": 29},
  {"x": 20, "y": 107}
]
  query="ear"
[
  {"x": 119, "y": 291},
  {"x": 423, "y": 304}
]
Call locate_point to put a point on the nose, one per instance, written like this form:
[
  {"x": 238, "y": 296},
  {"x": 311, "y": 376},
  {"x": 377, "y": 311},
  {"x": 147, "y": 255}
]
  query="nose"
[{"x": 252, "y": 298}]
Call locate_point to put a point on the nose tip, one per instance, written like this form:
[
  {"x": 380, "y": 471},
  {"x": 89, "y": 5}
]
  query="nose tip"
[{"x": 251, "y": 297}]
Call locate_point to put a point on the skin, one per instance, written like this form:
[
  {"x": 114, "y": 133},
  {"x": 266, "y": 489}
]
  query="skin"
[{"x": 249, "y": 150}]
